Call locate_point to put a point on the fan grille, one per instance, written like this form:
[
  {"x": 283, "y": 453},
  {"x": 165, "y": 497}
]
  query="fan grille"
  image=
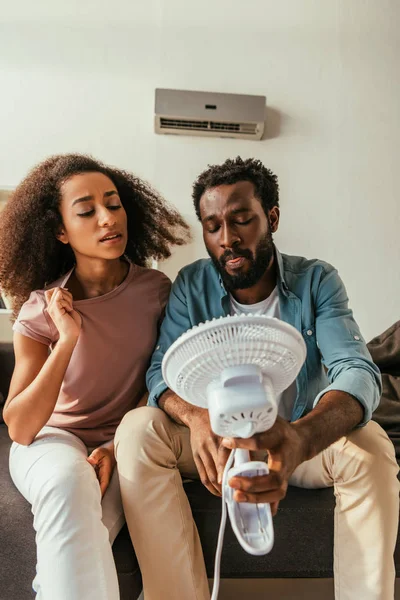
[{"x": 200, "y": 355}]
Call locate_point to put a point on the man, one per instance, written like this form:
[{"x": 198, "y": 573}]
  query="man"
[{"x": 323, "y": 436}]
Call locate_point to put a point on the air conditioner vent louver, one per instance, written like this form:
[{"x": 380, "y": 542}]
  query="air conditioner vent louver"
[
  {"x": 183, "y": 112},
  {"x": 182, "y": 124},
  {"x": 246, "y": 128}
]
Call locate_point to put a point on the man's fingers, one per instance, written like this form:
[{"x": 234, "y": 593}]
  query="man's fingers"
[
  {"x": 274, "y": 508},
  {"x": 261, "y": 497},
  {"x": 260, "y": 483},
  {"x": 210, "y": 462},
  {"x": 205, "y": 476},
  {"x": 260, "y": 441},
  {"x": 269, "y": 489},
  {"x": 222, "y": 459},
  {"x": 253, "y": 443}
]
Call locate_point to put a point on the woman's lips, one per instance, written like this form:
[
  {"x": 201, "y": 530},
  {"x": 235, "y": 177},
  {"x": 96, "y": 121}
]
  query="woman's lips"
[{"x": 116, "y": 239}]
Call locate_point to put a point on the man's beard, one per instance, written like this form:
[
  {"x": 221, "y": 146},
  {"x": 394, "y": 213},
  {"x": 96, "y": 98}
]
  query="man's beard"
[{"x": 258, "y": 264}]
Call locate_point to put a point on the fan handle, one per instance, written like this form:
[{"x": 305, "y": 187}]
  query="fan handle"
[{"x": 241, "y": 403}]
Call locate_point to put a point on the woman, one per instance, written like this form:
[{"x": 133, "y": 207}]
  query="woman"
[{"x": 75, "y": 238}]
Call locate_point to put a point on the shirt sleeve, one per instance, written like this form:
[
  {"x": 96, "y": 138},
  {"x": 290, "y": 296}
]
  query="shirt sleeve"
[
  {"x": 175, "y": 323},
  {"x": 344, "y": 353},
  {"x": 33, "y": 320},
  {"x": 164, "y": 292}
]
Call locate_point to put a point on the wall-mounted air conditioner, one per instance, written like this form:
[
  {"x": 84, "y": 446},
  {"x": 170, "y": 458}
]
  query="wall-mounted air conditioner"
[{"x": 209, "y": 114}]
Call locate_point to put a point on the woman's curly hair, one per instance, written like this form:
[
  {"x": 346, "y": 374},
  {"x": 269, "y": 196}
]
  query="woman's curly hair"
[{"x": 31, "y": 256}]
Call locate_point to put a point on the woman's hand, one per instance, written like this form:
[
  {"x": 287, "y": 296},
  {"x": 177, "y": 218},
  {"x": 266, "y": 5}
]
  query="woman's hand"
[
  {"x": 62, "y": 313},
  {"x": 103, "y": 461}
]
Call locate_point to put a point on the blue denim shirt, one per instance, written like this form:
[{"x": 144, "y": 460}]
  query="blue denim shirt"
[{"x": 313, "y": 299}]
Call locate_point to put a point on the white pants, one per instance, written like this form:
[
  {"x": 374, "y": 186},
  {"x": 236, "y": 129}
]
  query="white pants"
[{"x": 74, "y": 526}]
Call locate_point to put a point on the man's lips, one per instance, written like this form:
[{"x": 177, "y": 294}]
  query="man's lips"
[{"x": 235, "y": 263}]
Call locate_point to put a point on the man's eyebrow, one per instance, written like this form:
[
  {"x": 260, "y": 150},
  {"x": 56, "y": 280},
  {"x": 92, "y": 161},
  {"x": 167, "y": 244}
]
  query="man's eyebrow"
[
  {"x": 235, "y": 211},
  {"x": 86, "y": 198}
]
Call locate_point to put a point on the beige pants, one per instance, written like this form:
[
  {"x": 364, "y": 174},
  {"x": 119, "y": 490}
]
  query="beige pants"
[{"x": 153, "y": 452}]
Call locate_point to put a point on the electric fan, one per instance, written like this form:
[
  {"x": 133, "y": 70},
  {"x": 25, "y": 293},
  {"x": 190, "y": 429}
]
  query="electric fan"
[{"x": 236, "y": 366}]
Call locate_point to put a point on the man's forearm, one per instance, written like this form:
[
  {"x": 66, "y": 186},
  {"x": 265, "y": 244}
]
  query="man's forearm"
[
  {"x": 336, "y": 414},
  {"x": 179, "y": 410}
]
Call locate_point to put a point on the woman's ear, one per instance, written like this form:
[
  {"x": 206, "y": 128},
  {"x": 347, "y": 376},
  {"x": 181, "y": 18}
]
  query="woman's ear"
[{"x": 62, "y": 236}]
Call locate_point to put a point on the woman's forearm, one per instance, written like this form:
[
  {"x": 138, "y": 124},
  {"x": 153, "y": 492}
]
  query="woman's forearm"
[{"x": 27, "y": 412}]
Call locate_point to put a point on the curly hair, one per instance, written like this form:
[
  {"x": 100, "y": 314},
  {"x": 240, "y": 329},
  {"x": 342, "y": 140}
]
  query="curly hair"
[
  {"x": 231, "y": 171},
  {"x": 30, "y": 254}
]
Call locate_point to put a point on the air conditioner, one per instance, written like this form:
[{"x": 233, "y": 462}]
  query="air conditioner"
[{"x": 212, "y": 114}]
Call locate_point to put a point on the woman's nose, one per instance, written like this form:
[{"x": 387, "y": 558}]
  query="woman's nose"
[{"x": 106, "y": 218}]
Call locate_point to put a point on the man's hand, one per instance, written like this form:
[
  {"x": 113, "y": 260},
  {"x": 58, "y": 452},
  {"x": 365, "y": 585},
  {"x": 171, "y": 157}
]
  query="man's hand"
[
  {"x": 210, "y": 457},
  {"x": 286, "y": 451},
  {"x": 208, "y": 453},
  {"x": 103, "y": 461}
]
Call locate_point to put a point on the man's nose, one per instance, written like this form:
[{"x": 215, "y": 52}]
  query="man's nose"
[{"x": 229, "y": 237}]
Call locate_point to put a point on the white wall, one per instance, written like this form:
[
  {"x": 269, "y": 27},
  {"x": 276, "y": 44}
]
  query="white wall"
[{"x": 80, "y": 76}]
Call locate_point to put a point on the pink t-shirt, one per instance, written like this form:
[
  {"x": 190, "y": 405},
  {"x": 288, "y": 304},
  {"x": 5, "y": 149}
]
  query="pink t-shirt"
[{"x": 106, "y": 374}]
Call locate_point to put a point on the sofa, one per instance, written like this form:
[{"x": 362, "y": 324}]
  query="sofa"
[{"x": 303, "y": 525}]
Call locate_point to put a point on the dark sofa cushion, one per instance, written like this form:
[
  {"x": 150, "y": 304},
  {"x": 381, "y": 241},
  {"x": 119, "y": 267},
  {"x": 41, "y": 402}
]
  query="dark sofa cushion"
[
  {"x": 17, "y": 537},
  {"x": 6, "y": 370},
  {"x": 129, "y": 576},
  {"x": 385, "y": 352},
  {"x": 299, "y": 550}
]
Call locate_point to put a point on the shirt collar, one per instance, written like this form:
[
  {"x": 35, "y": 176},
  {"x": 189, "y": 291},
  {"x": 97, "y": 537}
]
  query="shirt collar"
[{"x": 280, "y": 272}]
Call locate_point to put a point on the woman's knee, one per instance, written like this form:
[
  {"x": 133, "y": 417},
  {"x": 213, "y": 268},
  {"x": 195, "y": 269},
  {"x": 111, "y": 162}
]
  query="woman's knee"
[{"x": 72, "y": 486}]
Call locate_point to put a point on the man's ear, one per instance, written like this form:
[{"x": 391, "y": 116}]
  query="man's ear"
[
  {"x": 274, "y": 214},
  {"x": 62, "y": 236}
]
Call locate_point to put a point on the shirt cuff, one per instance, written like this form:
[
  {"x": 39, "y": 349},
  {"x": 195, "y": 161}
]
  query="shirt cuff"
[
  {"x": 360, "y": 387},
  {"x": 156, "y": 392}
]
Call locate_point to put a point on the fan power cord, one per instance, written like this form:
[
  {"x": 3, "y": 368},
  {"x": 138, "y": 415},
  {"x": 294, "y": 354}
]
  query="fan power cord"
[{"x": 220, "y": 543}]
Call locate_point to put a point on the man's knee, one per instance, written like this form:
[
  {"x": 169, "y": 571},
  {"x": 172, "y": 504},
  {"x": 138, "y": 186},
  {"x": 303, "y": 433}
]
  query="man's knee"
[
  {"x": 373, "y": 447},
  {"x": 138, "y": 427}
]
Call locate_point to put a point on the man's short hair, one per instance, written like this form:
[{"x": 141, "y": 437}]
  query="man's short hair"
[{"x": 233, "y": 170}]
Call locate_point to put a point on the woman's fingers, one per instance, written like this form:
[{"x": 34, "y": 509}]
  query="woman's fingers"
[{"x": 60, "y": 297}]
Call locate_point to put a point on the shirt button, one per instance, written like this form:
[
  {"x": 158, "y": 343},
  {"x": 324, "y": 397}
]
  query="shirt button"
[
  {"x": 309, "y": 331},
  {"x": 357, "y": 337},
  {"x": 158, "y": 347}
]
